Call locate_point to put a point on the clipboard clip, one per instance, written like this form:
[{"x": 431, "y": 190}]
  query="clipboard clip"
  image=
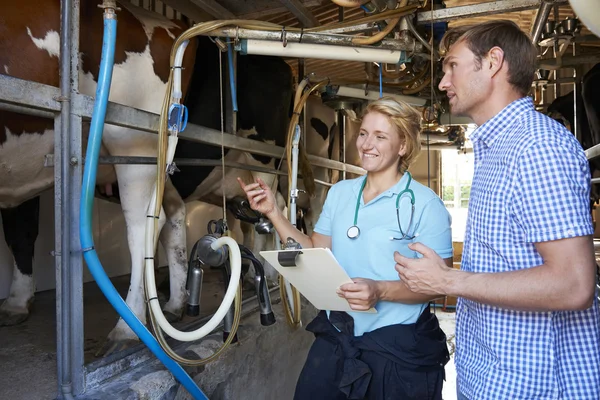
[{"x": 288, "y": 258}]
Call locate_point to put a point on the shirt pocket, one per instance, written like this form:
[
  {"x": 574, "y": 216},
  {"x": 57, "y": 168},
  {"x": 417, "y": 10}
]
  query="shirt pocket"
[{"x": 381, "y": 246}]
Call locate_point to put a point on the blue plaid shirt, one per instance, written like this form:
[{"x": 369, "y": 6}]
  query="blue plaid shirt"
[{"x": 531, "y": 185}]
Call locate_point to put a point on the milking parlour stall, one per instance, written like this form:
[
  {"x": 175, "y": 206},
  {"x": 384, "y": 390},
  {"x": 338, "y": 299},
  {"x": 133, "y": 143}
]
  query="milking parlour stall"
[{"x": 131, "y": 264}]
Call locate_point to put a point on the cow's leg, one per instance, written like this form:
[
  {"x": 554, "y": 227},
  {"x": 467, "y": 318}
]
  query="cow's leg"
[
  {"x": 20, "y": 232},
  {"x": 173, "y": 239},
  {"x": 135, "y": 188}
]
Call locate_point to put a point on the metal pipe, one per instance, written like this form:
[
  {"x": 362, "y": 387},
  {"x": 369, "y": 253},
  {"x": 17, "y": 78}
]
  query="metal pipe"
[
  {"x": 540, "y": 19},
  {"x": 576, "y": 124},
  {"x": 478, "y": 10},
  {"x": 50, "y": 161},
  {"x": 413, "y": 30},
  {"x": 557, "y": 55},
  {"x": 62, "y": 147},
  {"x": 319, "y": 51},
  {"x": 407, "y": 44},
  {"x": 75, "y": 171}
]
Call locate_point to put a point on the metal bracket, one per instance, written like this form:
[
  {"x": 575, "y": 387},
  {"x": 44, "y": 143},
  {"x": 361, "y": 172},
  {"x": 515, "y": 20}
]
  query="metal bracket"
[
  {"x": 172, "y": 168},
  {"x": 287, "y": 258}
]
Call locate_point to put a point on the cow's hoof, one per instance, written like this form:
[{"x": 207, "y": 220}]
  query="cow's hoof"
[
  {"x": 11, "y": 318},
  {"x": 172, "y": 317},
  {"x": 114, "y": 346}
]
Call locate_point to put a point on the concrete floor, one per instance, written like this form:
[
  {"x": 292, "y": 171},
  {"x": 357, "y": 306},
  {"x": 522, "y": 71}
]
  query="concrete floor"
[{"x": 28, "y": 351}]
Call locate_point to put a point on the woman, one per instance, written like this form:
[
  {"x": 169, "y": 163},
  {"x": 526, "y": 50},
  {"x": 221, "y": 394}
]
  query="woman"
[{"x": 400, "y": 351}]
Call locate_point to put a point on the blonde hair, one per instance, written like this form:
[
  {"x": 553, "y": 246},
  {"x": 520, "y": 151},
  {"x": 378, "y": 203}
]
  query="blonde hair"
[{"x": 407, "y": 122}]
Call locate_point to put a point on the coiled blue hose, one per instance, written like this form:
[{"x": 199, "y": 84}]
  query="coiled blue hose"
[{"x": 87, "y": 202}]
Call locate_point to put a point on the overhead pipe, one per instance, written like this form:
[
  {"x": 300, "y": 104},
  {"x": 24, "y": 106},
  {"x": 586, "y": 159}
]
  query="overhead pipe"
[
  {"x": 87, "y": 201},
  {"x": 346, "y": 91},
  {"x": 320, "y": 51},
  {"x": 314, "y": 37},
  {"x": 540, "y": 20}
]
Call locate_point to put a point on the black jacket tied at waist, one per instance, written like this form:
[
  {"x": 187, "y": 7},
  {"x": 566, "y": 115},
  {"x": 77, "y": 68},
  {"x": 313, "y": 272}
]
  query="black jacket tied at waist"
[{"x": 418, "y": 347}]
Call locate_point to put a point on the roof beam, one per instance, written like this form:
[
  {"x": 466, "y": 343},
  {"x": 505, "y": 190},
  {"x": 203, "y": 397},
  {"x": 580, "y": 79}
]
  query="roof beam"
[
  {"x": 214, "y": 8},
  {"x": 259, "y": 14},
  {"x": 190, "y": 10},
  {"x": 478, "y": 10},
  {"x": 306, "y": 18}
]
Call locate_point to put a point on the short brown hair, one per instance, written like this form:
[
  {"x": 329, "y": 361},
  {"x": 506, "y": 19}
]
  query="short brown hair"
[
  {"x": 407, "y": 122},
  {"x": 519, "y": 52}
]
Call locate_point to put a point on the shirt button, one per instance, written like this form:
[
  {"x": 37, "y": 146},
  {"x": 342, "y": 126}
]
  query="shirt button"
[{"x": 571, "y": 232}]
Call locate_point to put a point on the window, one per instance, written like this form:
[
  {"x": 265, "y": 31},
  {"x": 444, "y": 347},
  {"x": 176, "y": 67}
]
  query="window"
[{"x": 457, "y": 174}]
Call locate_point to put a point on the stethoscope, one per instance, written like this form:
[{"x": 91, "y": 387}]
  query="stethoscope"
[{"x": 354, "y": 231}]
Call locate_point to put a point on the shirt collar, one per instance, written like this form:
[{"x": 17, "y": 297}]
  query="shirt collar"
[
  {"x": 394, "y": 190},
  {"x": 489, "y": 132}
]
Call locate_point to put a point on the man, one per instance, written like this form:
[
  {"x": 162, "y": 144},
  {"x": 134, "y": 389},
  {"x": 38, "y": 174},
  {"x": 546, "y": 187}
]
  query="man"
[{"x": 528, "y": 323}]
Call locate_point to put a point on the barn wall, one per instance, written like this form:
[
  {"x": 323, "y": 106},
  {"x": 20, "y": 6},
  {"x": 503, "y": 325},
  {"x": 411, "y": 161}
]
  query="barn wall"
[{"x": 420, "y": 169}]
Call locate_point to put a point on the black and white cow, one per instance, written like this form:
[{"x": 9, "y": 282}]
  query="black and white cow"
[
  {"x": 29, "y": 49},
  {"x": 588, "y": 115}
]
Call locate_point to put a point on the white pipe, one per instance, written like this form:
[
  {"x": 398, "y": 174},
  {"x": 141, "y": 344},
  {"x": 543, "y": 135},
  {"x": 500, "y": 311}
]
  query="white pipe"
[
  {"x": 150, "y": 246},
  {"x": 322, "y": 51},
  {"x": 177, "y": 93},
  {"x": 374, "y": 95},
  {"x": 589, "y": 13}
]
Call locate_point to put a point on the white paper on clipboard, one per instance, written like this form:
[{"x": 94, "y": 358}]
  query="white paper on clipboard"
[{"x": 317, "y": 275}]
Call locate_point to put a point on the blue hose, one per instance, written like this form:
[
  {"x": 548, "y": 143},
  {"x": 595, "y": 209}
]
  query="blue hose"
[
  {"x": 231, "y": 78},
  {"x": 87, "y": 202}
]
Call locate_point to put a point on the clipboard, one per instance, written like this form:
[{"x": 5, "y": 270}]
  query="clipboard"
[{"x": 315, "y": 273}]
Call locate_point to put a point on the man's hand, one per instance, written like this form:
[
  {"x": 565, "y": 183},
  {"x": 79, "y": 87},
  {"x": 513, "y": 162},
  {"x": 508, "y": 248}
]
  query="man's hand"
[
  {"x": 427, "y": 275},
  {"x": 362, "y": 294}
]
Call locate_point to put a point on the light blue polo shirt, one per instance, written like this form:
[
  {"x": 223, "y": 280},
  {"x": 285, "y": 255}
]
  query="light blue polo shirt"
[{"x": 371, "y": 255}]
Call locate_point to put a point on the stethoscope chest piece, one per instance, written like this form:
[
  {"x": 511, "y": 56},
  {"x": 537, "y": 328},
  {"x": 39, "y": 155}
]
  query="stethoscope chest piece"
[{"x": 353, "y": 232}]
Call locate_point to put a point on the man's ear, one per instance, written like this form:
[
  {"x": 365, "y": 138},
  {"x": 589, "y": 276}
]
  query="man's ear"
[{"x": 494, "y": 60}]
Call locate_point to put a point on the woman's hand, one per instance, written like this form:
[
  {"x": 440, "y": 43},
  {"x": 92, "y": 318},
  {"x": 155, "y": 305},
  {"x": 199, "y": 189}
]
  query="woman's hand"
[
  {"x": 260, "y": 196},
  {"x": 362, "y": 294}
]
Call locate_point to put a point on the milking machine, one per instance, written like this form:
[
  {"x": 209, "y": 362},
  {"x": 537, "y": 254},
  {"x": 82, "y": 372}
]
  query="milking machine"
[{"x": 202, "y": 255}]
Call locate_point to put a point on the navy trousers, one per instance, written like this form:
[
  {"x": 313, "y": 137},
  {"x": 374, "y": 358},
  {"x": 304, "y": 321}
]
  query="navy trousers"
[{"x": 400, "y": 362}]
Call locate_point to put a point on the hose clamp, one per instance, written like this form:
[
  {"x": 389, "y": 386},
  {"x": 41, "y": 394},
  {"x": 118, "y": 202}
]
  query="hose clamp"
[{"x": 283, "y": 36}]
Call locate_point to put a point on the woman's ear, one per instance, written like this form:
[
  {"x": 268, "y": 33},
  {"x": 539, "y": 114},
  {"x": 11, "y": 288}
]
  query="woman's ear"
[{"x": 402, "y": 150}]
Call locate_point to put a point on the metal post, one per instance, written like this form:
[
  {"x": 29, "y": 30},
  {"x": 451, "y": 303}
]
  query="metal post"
[
  {"x": 72, "y": 163},
  {"x": 576, "y": 125},
  {"x": 342, "y": 138},
  {"x": 557, "y": 54},
  {"x": 61, "y": 204}
]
